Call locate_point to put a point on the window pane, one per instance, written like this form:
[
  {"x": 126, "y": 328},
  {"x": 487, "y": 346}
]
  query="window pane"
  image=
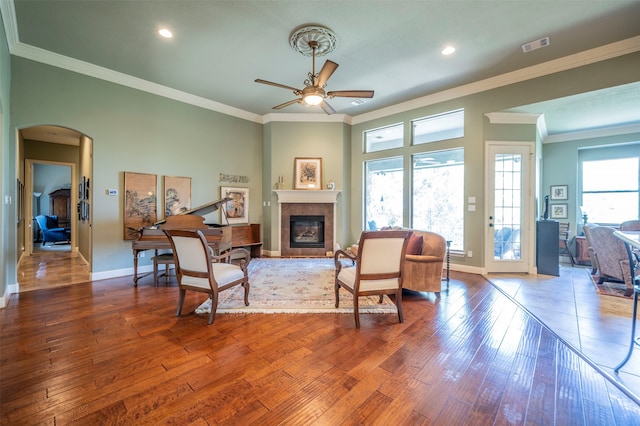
[
  {"x": 384, "y": 138},
  {"x": 610, "y": 175},
  {"x": 383, "y": 193},
  {"x": 610, "y": 207},
  {"x": 438, "y": 194},
  {"x": 507, "y": 206},
  {"x": 439, "y": 127}
]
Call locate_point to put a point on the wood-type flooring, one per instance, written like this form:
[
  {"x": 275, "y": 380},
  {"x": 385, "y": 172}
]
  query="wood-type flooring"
[{"x": 105, "y": 352}]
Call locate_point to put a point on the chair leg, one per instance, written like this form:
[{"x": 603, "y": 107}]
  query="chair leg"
[
  {"x": 337, "y": 290},
  {"x": 214, "y": 307},
  {"x": 180, "y": 302},
  {"x": 246, "y": 286},
  {"x": 438, "y": 294},
  {"x": 356, "y": 310},
  {"x": 155, "y": 273},
  {"x": 399, "y": 306}
]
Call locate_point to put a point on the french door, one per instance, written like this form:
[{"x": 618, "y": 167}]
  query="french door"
[{"x": 509, "y": 217}]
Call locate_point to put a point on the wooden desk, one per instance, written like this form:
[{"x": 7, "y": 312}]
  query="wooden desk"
[{"x": 631, "y": 241}]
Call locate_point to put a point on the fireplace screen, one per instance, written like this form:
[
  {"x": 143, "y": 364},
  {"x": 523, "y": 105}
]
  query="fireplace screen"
[{"x": 307, "y": 231}]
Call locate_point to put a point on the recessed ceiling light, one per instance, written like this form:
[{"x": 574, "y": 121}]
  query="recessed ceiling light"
[
  {"x": 164, "y": 32},
  {"x": 448, "y": 50}
]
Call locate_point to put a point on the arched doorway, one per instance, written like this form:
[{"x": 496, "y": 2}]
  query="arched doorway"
[{"x": 58, "y": 148}]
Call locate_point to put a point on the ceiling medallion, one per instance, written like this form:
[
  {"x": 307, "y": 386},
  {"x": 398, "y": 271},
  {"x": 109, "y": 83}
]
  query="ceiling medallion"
[{"x": 324, "y": 37}]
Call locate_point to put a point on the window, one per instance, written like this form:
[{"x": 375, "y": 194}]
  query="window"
[
  {"x": 610, "y": 190},
  {"x": 384, "y": 138},
  {"x": 383, "y": 193},
  {"x": 438, "y": 194},
  {"x": 448, "y": 125}
]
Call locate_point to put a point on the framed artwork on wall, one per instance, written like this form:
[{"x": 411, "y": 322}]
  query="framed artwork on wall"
[
  {"x": 236, "y": 210},
  {"x": 308, "y": 173},
  {"x": 140, "y": 202},
  {"x": 559, "y": 211},
  {"x": 177, "y": 195},
  {"x": 559, "y": 192}
]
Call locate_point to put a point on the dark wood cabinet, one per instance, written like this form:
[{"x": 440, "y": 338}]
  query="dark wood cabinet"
[
  {"x": 60, "y": 205},
  {"x": 547, "y": 247}
]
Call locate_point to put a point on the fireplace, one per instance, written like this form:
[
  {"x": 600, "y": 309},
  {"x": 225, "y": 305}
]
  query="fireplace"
[
  {"x": 306, "y": 232},
  {"x": 316, "y": 207}
]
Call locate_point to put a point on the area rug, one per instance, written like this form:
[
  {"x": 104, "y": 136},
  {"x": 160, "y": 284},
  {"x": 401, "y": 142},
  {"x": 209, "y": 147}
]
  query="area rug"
[
  {"x": 294, "y": 285},
  {"x": 609, "y": 288}
]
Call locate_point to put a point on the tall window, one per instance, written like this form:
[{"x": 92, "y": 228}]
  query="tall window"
[
  {"x": 610, "y": 190},
  {"x": 438, "y": 194},
  {"x": 383, "y": 193}
]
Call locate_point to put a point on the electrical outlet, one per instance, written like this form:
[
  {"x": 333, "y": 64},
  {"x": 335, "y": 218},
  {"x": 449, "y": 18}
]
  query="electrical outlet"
[{"x": 469, "y": 253}]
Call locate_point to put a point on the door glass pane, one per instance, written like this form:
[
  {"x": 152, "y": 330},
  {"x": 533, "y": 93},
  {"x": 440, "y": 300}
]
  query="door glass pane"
[
  {"x": 383, "y": 193},
  {"x": 507, "y": 206}
]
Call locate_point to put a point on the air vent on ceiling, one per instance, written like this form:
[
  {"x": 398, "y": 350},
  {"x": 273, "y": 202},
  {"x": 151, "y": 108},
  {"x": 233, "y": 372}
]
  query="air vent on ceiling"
[{"x": 536, "y": 44}]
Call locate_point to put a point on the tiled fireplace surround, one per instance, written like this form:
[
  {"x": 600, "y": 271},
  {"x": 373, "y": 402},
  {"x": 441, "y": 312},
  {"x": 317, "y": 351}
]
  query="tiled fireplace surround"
[{"x": 306, "y": 203}]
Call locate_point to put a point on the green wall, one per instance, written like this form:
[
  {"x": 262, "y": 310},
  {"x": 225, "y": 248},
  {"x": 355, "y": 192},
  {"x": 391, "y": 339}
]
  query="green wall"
[
  {"x": 8, "y": 266},
  {"x": 134, "y": 131}
]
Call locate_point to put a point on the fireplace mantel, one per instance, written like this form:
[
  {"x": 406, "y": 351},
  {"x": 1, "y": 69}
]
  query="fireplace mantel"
[{"x": 307, "y": 196}]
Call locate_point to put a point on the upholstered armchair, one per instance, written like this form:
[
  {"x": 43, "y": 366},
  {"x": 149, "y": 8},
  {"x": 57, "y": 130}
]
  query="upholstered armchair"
[
  {"x": 630, "y": 225},
  {"x": 199, "y": 270},
  {"x": 592, "y": 255},
  {"x": 424, "y": 261},
  {"x": 613, "y": 260},
  {"x": 378, "y": 268},
  {"x": 51, "y": 232}
]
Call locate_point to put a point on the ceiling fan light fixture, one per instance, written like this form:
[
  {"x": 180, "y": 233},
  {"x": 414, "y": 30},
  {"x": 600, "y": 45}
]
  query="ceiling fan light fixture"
[{"x": 313, "y": 99}]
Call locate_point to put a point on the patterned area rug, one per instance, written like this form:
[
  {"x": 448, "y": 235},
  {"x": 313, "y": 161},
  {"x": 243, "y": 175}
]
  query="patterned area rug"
[
  {"x": 300, "y": 285},
  {"x": 609, "y": 288}
]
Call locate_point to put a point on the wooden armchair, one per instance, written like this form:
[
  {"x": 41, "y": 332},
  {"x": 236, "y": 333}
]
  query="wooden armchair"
[
  {"x": 197, "y": 269},
  {"x": 378, "y": 269},
  {"x": 564, "y": 249}
]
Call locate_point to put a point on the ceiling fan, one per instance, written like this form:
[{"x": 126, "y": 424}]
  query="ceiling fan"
[{"x": 314, "y": 93}]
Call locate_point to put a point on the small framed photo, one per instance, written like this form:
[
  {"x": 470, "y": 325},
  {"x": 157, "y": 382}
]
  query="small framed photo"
[
  {"x": 308, "y": 173},
  {"x": 237, "y": 209},
  {"x": 559, "y": 192},
  {"x": 559, "y": 211}
]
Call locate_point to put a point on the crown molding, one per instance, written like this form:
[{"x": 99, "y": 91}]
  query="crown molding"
[
  {"x": 512, "y": 118},
  {"x": 591, "y": 134},
  {"x": 587, "y": 57},
  {"x": 8, "y": 10},
  {"x": 309, "y": 118}
]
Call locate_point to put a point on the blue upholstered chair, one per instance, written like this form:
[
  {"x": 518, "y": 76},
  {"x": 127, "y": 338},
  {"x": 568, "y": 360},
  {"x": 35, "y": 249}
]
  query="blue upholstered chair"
[{"x": 51, "y": 232}]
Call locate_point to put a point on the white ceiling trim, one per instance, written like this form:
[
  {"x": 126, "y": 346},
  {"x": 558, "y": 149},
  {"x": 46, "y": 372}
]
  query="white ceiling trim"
[
  {"x": 592, "y": 134},
  {"x": 598, "y": 54},
  {"x": 512, "y": 118},
  {"x": 313, "y": 118}
]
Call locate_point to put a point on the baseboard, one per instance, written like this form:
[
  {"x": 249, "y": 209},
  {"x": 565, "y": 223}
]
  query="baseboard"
[
  {"x": 8, "y": 291},
  {"x": 116, "y": 273}
]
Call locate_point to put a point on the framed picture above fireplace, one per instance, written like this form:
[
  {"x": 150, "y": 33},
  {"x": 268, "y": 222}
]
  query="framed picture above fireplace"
[
  {"x": 308, "y": 173},
  {"x": 236, "y": 210}
]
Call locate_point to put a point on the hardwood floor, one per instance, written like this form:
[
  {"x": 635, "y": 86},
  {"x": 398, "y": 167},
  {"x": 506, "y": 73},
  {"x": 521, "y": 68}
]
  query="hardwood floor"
[{"x": 105, "y": 352}]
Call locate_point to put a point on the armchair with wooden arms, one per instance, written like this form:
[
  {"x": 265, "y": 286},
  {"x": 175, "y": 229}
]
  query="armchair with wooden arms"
[
  {"x": 378, "y": 268},
  {"x": 197, "y": 269},
  {"x": 564, "y": 249}
]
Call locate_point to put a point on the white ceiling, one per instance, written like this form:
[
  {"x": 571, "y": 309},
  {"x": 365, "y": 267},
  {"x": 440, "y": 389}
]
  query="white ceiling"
[{"x": 392, "y": 47}]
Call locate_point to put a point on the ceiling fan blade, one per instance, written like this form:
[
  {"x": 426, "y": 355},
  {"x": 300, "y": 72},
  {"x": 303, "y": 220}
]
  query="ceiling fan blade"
[
  {"x": 276, "y": 84},
  {"x": 327, "y": 108},
  {"x": 351, "y": 93},
  {"x": 286, "y": 104},
  {"x": 327, "y": 70}
]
